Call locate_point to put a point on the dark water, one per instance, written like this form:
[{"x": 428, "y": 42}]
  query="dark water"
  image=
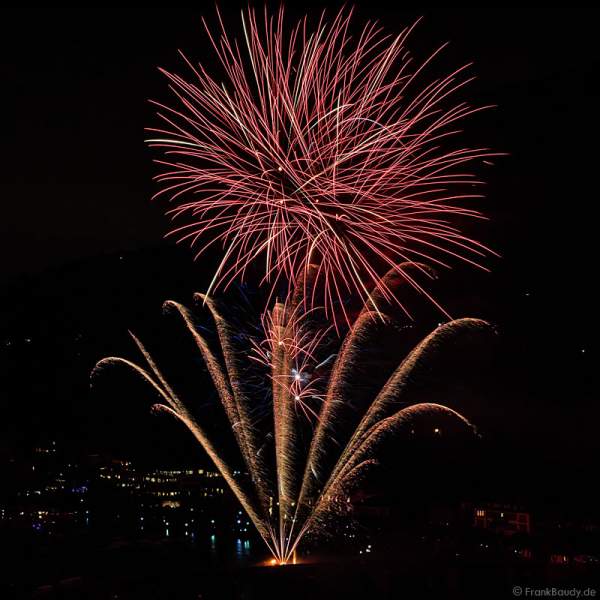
[
  {"x": 172, "y": 573},
  {"x": 190, "y": 554},
  {"x": 33, "y": 563}
]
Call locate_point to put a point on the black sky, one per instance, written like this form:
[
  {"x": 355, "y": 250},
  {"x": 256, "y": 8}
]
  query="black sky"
[
  {"x": 81, "y": 251},
  {"x": 76, "y": 175}
]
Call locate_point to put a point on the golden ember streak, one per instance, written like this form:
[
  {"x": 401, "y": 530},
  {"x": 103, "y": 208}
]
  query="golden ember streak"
[
  {"x": 347, "y": 359},
  {"x": 243, "y": 423},
  {"x": 281, "y": 429},
  {"x": 284, "y": 506},
  {"x": 176, "y": 408}
]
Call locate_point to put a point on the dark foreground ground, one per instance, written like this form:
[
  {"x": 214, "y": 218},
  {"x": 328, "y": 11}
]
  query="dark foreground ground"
[{"x": 164, "y": 572}]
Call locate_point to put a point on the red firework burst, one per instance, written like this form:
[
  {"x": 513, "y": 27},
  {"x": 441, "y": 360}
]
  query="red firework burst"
[{"x": 318, "y": 147}]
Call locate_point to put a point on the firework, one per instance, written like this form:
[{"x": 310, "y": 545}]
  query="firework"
[
  {"x": 311, "y": 465},
  {"x": 317, "y": 146},
  {"x": 328, "y": 159}
]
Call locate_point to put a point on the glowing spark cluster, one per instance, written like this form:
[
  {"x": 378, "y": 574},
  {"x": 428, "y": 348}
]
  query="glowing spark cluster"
[
  {"x": 289, "y": 332},
  {"x": 318, "y": 147},
  {"x": 305, "y": 478}
]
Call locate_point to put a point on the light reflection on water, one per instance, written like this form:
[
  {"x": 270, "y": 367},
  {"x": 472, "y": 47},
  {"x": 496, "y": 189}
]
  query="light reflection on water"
[
  {"x": 238, "y": 550},
  {"x": 185, "y": 527},
  {"x": 242, "y": 549}
]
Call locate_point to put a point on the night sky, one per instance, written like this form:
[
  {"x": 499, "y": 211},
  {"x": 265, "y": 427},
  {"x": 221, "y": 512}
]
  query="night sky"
[{"x": 82, "y": 254}]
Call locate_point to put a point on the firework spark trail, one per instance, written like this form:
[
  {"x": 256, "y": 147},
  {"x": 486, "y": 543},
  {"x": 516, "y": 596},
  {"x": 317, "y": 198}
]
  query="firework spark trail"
[
  {"x": 283, "y": 419},
  {"x": 300, "y": 503},
  {"x": 240, "y": 425},
  {"x": 355, "y": 452},
  {"x": 387, "y": 399},
  {"x": 243, "y": 410},
  {"x": 419, "y": 356},
  {"x": 260, "y": 522},
  {"x": 346, "y": 361},
  {"x": 323, "y": 431},
  {"x": 289, "y": 352},
  {"x": 318, "y": 148},
  {"x": 355, "y": 460},
  {"x": 176, "y": 408}
]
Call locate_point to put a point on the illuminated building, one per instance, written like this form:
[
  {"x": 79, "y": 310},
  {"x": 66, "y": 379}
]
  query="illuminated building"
[{"x": 505, "y": 519}]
